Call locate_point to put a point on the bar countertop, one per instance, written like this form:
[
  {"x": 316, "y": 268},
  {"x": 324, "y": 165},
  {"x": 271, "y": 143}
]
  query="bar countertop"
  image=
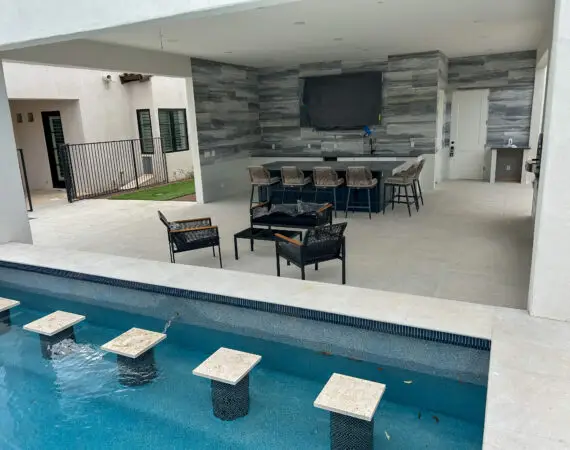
[{"x": 300, "y": 154}]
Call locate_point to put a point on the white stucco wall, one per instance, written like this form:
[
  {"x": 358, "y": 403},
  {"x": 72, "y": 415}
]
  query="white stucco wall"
[
  {"x": 104, "y": 107},
  {"x": 14, "y": 225},
  {"x": 31, "y": 139},
  {"x": 162, "y": 92},
  {"x": 171, "y": 93},
  {"x": 549, "y": 280},
  {"x": 91, "y": 110}
]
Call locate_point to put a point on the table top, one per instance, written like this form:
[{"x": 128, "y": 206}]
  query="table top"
[
  {"x": 263, "y": 234},
  {"x": 351, "y": 396},
  {"x": 6, "y": 304},
  {"x": 385, "y": 167},
  {"x": 54, "y": 323},
  {"x": 134, "y": 342},
  {"x": 227, "y": 366}
]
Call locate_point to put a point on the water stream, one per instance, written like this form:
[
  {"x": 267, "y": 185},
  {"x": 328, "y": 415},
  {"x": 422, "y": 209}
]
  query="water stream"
[{"x": 169, "y": 322}]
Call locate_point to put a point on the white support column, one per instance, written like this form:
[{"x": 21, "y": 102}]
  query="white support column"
[
  {"x": 193, "y": 136},
  {"x": 550, "y": 280},
  {"x": 14, "y": 226}
]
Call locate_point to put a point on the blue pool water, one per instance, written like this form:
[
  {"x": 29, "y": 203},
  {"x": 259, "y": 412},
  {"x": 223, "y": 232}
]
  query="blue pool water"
[{"x": 75, "y": 401}]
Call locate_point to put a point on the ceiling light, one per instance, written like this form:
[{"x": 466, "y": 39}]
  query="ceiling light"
[
  {"x": 300, "y": 22},
  {"x": 337, "y": 39},
  {"x": 228, "y": 53}
]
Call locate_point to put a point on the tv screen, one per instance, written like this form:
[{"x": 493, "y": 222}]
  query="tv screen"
[{"x": 342, "y": 101}]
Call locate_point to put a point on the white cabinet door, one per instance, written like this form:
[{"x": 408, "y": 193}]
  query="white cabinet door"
[{"x": 469, "y": 114}]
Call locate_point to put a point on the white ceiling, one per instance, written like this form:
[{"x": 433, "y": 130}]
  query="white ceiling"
[{"x": 324, "y": 30}]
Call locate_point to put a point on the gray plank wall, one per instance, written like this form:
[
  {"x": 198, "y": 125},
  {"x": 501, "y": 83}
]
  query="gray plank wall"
[
  {"x": 410, "y": 109},
  {"x": 409, "y": 106},
  {"x": 510, "y": 78},
  {"x": 227, "y": 110}
]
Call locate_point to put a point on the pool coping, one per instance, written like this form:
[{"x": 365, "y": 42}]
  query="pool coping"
[{"x": 510, "y": 410}]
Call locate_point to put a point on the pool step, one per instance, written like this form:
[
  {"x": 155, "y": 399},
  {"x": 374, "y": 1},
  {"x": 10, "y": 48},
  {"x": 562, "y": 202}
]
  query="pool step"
[
  {"x": 229, "y": 371},
  {"x": 135, "y": 355},
  {"x": 54, "y": 328},
  {"x": 352, "y": 403},
  {"x": 6, "y": 305}
]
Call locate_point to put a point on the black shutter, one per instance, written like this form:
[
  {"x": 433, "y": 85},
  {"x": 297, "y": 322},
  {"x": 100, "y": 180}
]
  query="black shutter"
[
  {"x": 145, "y": 130},
  {"x": 173, "y": 129}
]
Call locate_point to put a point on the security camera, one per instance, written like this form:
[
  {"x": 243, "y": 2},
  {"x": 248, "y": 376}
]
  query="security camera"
[{"x": 107, "y": 78}]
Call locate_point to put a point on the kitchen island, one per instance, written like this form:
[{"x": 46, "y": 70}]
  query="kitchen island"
[{"x": 379, "y": 169}]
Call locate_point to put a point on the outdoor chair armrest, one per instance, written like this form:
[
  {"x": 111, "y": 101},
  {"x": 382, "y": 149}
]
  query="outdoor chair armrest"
[
  {"x": 327, "y": 206},
  {"x": 186, "y": 230},
  {"x": 193, "y": 220},
  {"x": 279, "y": 236}
]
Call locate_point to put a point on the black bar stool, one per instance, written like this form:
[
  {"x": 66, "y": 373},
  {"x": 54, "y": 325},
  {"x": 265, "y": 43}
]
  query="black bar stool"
[
  {"x": 260, "y": 177},
  {"x": 417, "y": 180},
  {"x": 293, "y": 178},
  {"x": 326, "y": 178},
  {"x": 359, "y": 178},
  {"x": 405, "y": 180}
]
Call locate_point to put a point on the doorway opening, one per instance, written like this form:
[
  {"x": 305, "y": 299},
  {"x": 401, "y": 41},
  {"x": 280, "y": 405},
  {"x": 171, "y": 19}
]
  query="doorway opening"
[
  {"x": 53, "y": 131},
  {"x": 469, "y": 113}
]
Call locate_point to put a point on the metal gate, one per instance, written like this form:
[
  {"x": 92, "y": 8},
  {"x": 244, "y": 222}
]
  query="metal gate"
[
  {"x": 25, "y": 184},
  {"x": 102, "y": 168}
]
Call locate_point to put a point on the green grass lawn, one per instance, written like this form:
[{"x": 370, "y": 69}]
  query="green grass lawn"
[{"x": 166, "y": 192}]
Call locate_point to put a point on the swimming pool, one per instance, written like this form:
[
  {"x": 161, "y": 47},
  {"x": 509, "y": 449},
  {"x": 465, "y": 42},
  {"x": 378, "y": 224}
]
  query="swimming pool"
[{"x": 76, "y": 401}]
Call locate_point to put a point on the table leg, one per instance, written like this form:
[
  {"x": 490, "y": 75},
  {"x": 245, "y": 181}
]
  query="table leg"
[{"x": 236, "y": 248}]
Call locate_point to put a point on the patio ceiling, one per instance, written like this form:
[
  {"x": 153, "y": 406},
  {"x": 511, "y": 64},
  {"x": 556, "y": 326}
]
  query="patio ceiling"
[{"x": 319, "y": 30}]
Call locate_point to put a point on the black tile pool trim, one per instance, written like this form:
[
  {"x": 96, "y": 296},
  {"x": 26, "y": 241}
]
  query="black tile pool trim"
[{"x": 293, "y": 311}]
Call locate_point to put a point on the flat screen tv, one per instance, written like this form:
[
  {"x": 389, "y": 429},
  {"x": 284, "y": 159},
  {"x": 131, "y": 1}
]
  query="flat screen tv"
[{"x": 342, "y": 102}]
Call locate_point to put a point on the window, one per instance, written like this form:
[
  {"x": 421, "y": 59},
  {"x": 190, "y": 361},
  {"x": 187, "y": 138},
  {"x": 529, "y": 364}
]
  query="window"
[
  {"x": 145, "y": 130},
  {"x": 173, "y": 130}
]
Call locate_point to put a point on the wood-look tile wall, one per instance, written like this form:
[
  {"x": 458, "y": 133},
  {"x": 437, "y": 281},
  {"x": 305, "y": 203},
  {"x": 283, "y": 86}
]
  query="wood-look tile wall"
[
  {"x": 227, "y": 110},
  {"x": 409, "y": 106},
  {"x": 241, "y": 109},
  {"x": 510, "y": 78}
]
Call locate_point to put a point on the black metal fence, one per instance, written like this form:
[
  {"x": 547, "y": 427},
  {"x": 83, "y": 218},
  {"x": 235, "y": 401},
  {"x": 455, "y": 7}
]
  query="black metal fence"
[
  {"x": 102, "y": 168},
  {"x": 25, "y": 183}
]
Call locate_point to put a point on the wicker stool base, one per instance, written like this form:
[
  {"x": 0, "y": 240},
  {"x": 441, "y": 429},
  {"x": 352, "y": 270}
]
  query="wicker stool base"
[
  {"x": 351, "y": 433},
  {"x": 137, "y": 371},
  {"x": 230, "y": 402},
  {"x": 47, "y": 342}
]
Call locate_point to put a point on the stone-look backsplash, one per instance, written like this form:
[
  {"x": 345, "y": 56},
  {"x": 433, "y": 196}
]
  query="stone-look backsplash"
[
  {"x": 227, "y": 110},
  {"x": 409, "y": 107},
  {"x": 510, "y": 78}
]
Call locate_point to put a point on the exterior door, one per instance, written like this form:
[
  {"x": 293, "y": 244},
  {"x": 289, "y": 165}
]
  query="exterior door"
[
  {"x": 469, "y": 114},
  {"x": 53, "y": 131}
]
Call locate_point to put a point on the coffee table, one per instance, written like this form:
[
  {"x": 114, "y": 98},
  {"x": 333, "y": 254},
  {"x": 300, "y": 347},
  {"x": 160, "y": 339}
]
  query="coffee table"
[{"x": 262, "y": 234}]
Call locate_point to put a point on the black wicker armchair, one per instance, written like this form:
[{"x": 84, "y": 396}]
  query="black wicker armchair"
[
  {"x": 191, "y": 234},
  {"x": 319, "y": 245}
]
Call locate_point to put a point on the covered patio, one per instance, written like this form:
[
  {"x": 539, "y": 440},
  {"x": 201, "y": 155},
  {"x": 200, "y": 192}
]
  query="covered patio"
[
  {"x": 471, "y": 241},
  {"x": 245, "y": 66}
]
